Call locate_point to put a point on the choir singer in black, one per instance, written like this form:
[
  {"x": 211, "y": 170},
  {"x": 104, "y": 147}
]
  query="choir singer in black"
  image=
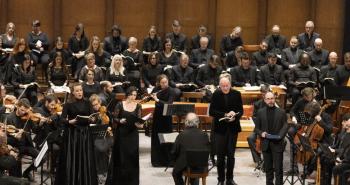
[
  {"x": 226, "y": 109},
  {"x": 271, "y": 126}
]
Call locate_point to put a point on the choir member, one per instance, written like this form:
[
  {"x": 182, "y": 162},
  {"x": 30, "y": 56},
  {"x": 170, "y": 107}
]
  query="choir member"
[
  {"x": 57, "y": 71},
  {"x": 307, "y": 39},
  {"x": 90, "y": 86},
  {"x": 168, "y": 56},
  {"x": 275, "y": 40},
  {"x": 116, "y": 74},
  {"x": 90, "y": 65},
  {"x": 151, "y": 70},
  {"x": 133, "y": 62},
  {"x": 102, "y": 58},
  {"x": 245, "y": 74},
  {"x": 116, "y": 43},
  {"x": 231, "y": 41},
  {"x": 202, "y": 32},
  {"x": 178, "y": 39}
]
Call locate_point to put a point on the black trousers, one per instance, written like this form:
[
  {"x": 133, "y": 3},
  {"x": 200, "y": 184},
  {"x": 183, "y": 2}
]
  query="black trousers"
[
  {"x": 225, "y": 150},
  {"x": 251, "y": 142},
  {"x": 273, "y": 166}
]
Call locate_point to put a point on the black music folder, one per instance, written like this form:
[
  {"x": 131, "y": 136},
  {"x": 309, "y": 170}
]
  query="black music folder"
[{"x": 337, "y": 92}]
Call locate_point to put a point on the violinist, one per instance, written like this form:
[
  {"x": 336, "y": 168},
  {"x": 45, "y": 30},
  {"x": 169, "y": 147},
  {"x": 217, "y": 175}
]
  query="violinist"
[
  {"x": 22, "y": 140},
  {"x": 6, "y": 102},
  {"x": 101, "y": 157},
  {"x": 314, "y": 114},
  {"x": 343, "y": 151},
  {"x": 8, "y": 157}
]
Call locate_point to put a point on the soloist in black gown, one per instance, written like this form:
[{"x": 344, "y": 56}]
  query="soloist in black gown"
[
  {"x": 161, "y": 124},
  {"x": 124, "y": 164},
  {"x": 76, "y": 163}
]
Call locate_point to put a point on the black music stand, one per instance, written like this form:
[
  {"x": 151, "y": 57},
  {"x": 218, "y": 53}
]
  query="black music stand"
[
  {"x": 178, "y": 110},
  {"x": 336, "y": 92},
  {"x": 292, "y": 167}
]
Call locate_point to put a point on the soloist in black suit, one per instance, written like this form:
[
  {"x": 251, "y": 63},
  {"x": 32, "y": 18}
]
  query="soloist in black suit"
[{"x": 272, "y": 120}]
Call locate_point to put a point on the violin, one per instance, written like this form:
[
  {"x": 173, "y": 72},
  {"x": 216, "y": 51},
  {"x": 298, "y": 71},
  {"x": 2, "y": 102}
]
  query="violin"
[
  {"x": 103, "y": 114},
  {"x": 35, "y": 117},
  {"x": 58, "y": 108}
]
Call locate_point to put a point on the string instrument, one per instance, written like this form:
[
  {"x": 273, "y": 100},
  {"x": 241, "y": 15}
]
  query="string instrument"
[
  {"x": 35, "y": 117},
  {"x": 58, "y": 108},
  {"x": 103, "y": 114},
  {"x": 314, "y": 133}
]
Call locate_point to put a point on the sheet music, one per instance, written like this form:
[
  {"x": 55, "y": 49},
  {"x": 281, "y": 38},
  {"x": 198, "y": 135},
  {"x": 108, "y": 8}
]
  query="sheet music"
[
  {"x": 41, "y": 155},
  {"x": 168, "y": 137},
  {"x": 60, "y": 89}
]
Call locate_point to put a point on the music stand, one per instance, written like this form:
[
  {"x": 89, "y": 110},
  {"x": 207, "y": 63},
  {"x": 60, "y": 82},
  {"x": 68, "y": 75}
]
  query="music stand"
[
  {"x": 178, "y": 110},
  {"x": 292, "y": 182}
]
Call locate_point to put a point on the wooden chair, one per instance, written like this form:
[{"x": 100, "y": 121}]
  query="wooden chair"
[
  {"x": 251, "y": 48},
  {"x": 196, "y": 159}
]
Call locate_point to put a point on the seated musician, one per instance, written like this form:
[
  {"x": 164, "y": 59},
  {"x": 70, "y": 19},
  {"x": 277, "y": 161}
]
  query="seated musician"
[
  {"x": 259, "y": 57},
  {"x": 253, "y": 136},
  {"x": 133, "y": 62},
  {"x": 182, "y": 75},
  {"x": 22, "y": 140},
  {"x": 90, "y": 65},
  {"x": 314, "y": 114},
  {"x": 342, "y": 74},
  {"x": 116, "y": 74},
  {"x": 245, "y": 74},
  {"x": 301, "y": 73},
  {"x": 298, "y": 117},
  {"x": 201, "y": 55},
  {"x": 23, "y": 79},
  {"x": 151, "y": 70},
  {"x": 343, "y": 152},
  {"x": 328, "y": 71},
  {"x": 192, "y": 138},
  {"x": 208, "y": 76},
  {"x": 271, "y": 73},
  {"x": 8, "y": 157}
]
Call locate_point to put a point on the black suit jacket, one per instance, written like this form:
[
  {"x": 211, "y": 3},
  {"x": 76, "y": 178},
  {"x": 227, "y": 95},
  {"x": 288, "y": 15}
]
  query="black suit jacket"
[
  {"x": 280, "y": 44},
  {"x": 189, "y": 139},
  {"x": 265, "y": 73},
  {"x": 238, "y": 78},
  {"x": 280, "y": 127},
  {"x": 289, "y": 57},
  {"x": 199, "y": 57},
  {"x": 219, "y": 106},
  {"x": 178, "y": 77},
  {"x": 304, "y": 44}
]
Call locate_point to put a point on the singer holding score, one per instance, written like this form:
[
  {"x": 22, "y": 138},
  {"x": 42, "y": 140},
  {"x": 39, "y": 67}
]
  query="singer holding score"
[
  {"x": 77, "y": 160},
  {"x": 271, "y": 125},
  {"x": 227, "y": 104}
]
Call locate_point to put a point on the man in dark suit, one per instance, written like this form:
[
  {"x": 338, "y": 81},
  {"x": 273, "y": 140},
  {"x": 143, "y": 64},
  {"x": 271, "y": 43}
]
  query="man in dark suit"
[
  {"x": 202, "y": 32},
  {"x": 192, "y": 138},
  {"x": 275, "y": 40},
  {"x": 291, "y": 54},
  {"x": 178, "y": 39},
  {"x": 307, "y": 39},
  {"x": 271, "y": 73},
  {"x": 226, "y": 103},
  {"x": 245, "y": 74},
  {"x": 201, "y": 55},
  {"x": 319, "y": 56},
  {"x": 182, "y": 74},
  {"x": 259, "y": 57},
  {"x": 272, "y": 121}
]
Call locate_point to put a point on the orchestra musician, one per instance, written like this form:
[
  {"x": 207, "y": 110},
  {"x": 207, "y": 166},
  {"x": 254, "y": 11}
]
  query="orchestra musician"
[
  {"x": 8, "y": 157},
  {"x": 272, "y": 120},
  {"x": 162, "y": 94},
  {"x": 227, "y": 104},
  {"x": 124, "y": 165},
  {"x": 342, "y": 151},
  {"x": 22, "y": 140},
  {"x": 76, "y": 161}
]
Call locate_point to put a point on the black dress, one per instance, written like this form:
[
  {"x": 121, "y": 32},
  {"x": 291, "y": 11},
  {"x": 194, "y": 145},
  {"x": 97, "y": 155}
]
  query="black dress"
[
  {"x": 76, "y": 163},
  {"x": 161, "y": 124},
  {"x": 124, "y": 166}
]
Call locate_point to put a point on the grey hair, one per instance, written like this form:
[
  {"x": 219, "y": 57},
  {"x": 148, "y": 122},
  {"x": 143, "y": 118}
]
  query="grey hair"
[{"x": 192, "y": 120}]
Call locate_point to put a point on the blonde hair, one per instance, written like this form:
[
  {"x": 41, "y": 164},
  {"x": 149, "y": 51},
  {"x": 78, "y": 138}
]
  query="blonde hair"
[{"x": 121, "y": 69}]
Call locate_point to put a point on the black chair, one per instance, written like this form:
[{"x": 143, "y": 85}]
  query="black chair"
[{"x": 197, "y": 165}]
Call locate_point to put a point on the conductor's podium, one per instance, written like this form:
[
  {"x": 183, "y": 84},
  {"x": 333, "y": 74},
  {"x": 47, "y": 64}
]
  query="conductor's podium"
[{"x": 201, "y": 109}]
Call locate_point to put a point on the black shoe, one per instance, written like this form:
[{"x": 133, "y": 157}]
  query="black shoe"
[
  {"x": 29, "y": 177},
  {"x": 231, "y": 182},
  {"x": 220, "y": 183}
]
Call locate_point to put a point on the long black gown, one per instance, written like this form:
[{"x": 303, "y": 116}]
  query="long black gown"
[
  {"x": 124, "y": 168},
  {"x": 76, "y": 163},
  {"x": 161, "y": 124}
]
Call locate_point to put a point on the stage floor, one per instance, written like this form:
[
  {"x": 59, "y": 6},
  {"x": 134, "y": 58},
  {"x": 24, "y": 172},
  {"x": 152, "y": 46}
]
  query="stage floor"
[{"x": 243, "y": 174}]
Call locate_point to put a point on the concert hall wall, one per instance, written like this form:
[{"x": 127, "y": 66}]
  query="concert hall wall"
[{"x": 58, "y": 17}]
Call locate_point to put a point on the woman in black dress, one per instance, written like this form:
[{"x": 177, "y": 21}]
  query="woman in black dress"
[
  {"x": 124, "y": 165},
  {"x": 90, "y": 86},
  {"x": 162, "y": 94},
  {"x": 168, "y": 56},
  {"x": 152, "y": 43},
  {"x": 57, "y": 71},
  {"x": 23, "y": 78},
  {"x": 116, "y": 74},
  {"x": 7, "y": 42},
  {"x": 151, "y": 71},
  {"x": 102, "y": 58},
  {"x": 76, "y": 163}
]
